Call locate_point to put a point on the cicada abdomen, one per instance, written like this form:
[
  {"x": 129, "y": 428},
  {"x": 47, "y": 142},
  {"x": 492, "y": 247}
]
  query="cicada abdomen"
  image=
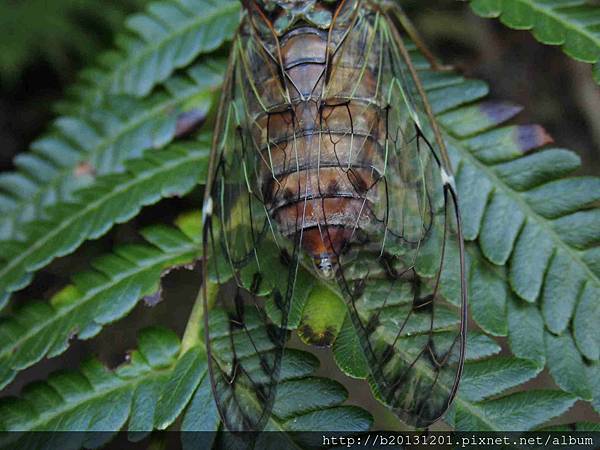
[{"x": 327, "y": 159}]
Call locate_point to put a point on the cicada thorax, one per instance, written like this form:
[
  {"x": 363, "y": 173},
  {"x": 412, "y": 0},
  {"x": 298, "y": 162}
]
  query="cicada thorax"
[{"x": 320, "y": 133}]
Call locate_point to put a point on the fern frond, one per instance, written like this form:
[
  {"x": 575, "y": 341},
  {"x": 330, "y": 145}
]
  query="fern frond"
[
  {"x": 483, "y": 402},
  {"x": 493, "y": 304},
  {"x": 523, "y": 212},
  {"x": 97, "y": 297},
  {"x": 95, "y": 209},
  {"x": 574, "y": 25},
  {"x": 153, "y": 388},
  {"x": 491, "y": 376},
  {"x": 93, "y": 398},
  {"x": 169, "y": 35},
  {"x": 98, "y": 143}
]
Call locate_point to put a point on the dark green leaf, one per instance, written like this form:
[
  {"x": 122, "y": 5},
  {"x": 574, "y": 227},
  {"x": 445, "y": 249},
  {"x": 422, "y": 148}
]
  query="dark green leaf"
[
  {"x": 480, "y": 346},
  {"x": 526, "y": 331},
  {"x": 562, "y": 288},
  {"x": 98, "y": 142},
  {"x": 93, "y": 399},
  {"x": 566, "y": 365},
  {"x": 94, "y": 210},
  {"x": 532, "y": 252},
  {"x": 179, "y": 388},
  {"x": 348, "y": 352},
  {"x": 168, "y": 36},
  {"x": 533, "y": 170},
  {"x": 489, "y": 377},
  {"x": 516, "y": 412},
  {"x": 487, "y": 299},
  {"x": 201, "y": 415},
  {"x": 297, "y": 397},
  {"x": 95, "y": 298},
  {"x": 585, "y": 323},
  {"x": 568, "y": 24},
  {"x": 500, "y": 227},
  {"x": 340, "y": 418}
]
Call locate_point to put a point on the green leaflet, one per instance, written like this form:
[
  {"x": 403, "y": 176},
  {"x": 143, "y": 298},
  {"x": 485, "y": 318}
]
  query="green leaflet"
[
  {"x": 520, "y": 411},
  {"x": 201, "y": 415},
  {"x": 488, "y": 295},
  {"x": 98, "y": 142},
  {"x": 572, "y": 25},
  {"x": 348, "y": 353},
  {"x": 482, "y": 379},
  {"x": 526, "y": 331},
  {"x": 95, "y": 298},
  {"x": 178, "y": 390},
  {"x": 567, "y": 366},
  {"x": 95, "y": 209},
  {"x": 329, "y": 394},
  {"x": 585, "y": 323},
  {"x": 168, "y": 36},
  {"x": 151, "y": 390},
  {"x": 480, "y": 346}
]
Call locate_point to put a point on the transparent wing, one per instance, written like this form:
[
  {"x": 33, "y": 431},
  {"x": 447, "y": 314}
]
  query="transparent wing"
[
  {"x": 403, "y": 273},
  {"x": 244, "y": 343}
]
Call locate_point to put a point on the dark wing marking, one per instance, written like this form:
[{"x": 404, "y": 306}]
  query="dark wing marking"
[
  {"x": 404, "y": 282},
  {"x": 244, "y": 343}
]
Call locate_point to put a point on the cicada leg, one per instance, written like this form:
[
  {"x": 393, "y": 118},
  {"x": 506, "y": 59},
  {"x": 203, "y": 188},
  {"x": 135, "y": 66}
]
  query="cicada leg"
[{"x": 393, "y": 9}]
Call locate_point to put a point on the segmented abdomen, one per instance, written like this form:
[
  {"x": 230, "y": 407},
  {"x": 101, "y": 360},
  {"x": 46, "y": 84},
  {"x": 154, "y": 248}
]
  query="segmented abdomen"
[{"x": 319, "y": 147}]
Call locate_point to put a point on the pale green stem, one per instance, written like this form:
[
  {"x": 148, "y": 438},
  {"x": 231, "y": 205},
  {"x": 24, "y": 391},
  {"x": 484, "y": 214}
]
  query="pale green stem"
[{"x": 191, "y": 336}]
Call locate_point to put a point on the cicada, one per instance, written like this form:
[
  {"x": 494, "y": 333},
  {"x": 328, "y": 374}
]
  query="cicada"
[{"x": 327, "y": 161}]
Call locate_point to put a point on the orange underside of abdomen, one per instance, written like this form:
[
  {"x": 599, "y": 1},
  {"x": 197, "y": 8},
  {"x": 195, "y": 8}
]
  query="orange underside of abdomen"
[{"x": 313, "y": 184}]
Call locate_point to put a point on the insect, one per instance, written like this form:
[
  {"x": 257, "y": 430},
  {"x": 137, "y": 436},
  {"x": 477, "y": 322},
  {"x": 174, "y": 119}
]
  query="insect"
[{"x": 327, "y": 160}]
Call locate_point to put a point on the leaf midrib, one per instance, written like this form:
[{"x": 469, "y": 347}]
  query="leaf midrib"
[{"x": 194, "y": 155}]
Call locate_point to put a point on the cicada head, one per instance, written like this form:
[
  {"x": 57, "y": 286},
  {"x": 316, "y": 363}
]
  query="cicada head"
[{"x": 282, "y": 16}]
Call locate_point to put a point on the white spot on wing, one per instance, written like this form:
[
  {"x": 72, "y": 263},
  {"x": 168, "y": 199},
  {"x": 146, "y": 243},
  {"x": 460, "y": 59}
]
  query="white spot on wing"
[
  {"x": 447, "y": 179},
  {"x": 207, "y": 209}
]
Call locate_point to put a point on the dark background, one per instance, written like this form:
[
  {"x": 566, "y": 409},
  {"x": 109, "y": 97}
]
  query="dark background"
[{"x": 39, "y": 62}]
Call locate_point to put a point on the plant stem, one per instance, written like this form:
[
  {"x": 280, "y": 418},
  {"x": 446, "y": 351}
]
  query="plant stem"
[{"x": 191, "y": 336}]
